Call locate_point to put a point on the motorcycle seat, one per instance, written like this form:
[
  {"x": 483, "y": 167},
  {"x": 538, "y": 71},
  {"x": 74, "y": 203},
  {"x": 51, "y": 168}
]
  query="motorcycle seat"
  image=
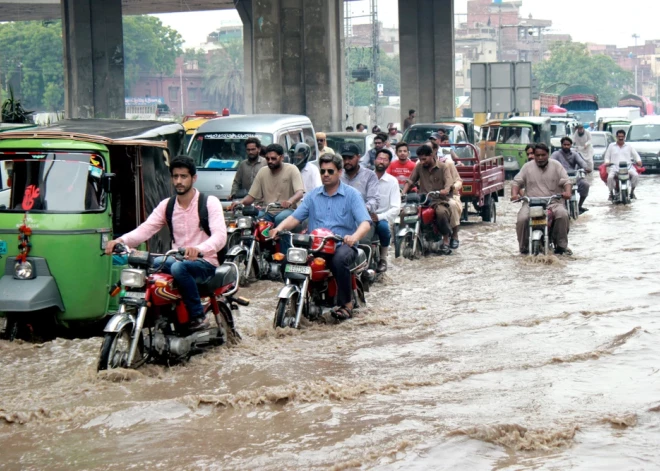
[
  {"x": 224, "y": 275},
  {"x": 360, "y": 259}
]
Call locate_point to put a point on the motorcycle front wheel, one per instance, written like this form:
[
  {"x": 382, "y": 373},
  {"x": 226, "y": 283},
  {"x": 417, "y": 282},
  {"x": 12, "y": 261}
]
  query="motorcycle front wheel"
[
  {"x": 574, "y": 213},
  {"x": 115, "y": 349},
  {"x": 285, "y": 313},
  {"x": 625, "y": 197},
  {"x": 243, "y": 270}
]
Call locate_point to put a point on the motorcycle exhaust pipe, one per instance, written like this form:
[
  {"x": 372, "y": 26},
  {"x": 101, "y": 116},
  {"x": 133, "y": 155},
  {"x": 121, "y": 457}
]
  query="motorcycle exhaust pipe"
[{"x": 240, "y": 300}]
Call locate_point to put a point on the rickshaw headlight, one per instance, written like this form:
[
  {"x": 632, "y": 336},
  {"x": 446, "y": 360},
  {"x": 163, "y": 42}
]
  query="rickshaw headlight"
[
  {"x": 133, "y": 277},
  {"x": 244, "y": 223},
  {"x": 296, "y": 255},
  {"x": 24, "y": 271}
]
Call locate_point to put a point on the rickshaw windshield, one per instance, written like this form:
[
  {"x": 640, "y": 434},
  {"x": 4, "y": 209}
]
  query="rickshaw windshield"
[
  {"x": 223, "y": 151},
  {"x": 53, "y": 182},
  {"x": 515, "y": 135}
]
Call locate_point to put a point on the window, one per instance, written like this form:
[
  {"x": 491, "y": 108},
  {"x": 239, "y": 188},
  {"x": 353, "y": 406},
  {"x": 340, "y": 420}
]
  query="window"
[
  {"x": 174, "y": 93},
  {"x": 223, "y": 151},
  {"x": 192, "y": 95},
  {"x": 147, "y": 92},
  {"x": 310, "y": 140}
]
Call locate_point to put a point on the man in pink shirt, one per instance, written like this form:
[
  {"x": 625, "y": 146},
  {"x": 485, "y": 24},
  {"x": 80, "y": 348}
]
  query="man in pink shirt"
[{"x": 187, "y": 233}]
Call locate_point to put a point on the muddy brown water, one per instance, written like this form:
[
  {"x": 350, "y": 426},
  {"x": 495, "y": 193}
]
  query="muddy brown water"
[{"x": 482, "y": 360}]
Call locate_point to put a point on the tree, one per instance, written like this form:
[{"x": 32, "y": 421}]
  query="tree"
[
  {"x": 571, "y": 63},
  {"x": 224, "y": 77},
  {"x": 362, "y": 93},
  {"x": 196, "y": 55}
]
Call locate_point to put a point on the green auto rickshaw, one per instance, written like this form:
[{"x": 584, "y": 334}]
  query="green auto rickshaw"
[
  {"x": 515, "y": 134},
  {"x": 72, "y": 189}
]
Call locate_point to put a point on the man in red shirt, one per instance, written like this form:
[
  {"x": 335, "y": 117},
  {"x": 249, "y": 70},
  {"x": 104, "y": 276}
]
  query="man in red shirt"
[{"x": 402, "y": 168}]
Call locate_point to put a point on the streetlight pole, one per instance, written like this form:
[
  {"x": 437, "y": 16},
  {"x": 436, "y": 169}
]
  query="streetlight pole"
[{"x": 635, "y": 37}]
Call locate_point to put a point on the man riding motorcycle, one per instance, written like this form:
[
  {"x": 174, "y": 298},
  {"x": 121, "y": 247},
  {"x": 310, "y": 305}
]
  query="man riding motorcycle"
[
  {"x": 621, "y": 151},
  {"x": 248, "y": 169},
  {"x": 360, "y": 178},
  {"x": 542, "y": 178},
  {"x": 380, "y": 142},
  {"x": 402, "y": 168},
  {"x": 300, "y": 154},
  {"x": 582, "y": 140},
  {"x": 571, "y": 161},
  {"x": 389, "y": 207},
  {"x": 339, "y": 208},
  {"x": 187, "y": 233},
  {"x": 434, "y": 176}
]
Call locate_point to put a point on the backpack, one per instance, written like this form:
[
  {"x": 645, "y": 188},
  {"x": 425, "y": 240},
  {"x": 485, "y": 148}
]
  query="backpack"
[{"x": 203, "y": 213}]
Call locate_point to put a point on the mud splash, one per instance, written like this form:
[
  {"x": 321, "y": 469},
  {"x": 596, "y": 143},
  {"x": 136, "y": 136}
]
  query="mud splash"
[
  {"x": 518, "y": 438},
  {"x": 621, "y": 421}
]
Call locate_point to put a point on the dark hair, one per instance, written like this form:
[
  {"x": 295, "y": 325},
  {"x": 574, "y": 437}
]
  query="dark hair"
[
  {"x": 400, "y": 144},
  {"x": 566, "y": 138},
  {"x": 385, "y": 151},
  {"x": 253, "y": 140},
  {"x": 382, "y": 136},
  {"x": 358, "y": 125},
  {"x": 541, "y": 146},
  {"x": 424, "y": 150},
  {"x": 349, "y": 128},
  {"x": 621, "y": 131},
  {"x": 335, "y": 159},
  {"x": 183, "y": 161},
  {"x": 444, "y": 138},
  {"x": 278, "y": 149},
  {"x": 410, "y": 112},
  {"x": 529, "y": 146}
]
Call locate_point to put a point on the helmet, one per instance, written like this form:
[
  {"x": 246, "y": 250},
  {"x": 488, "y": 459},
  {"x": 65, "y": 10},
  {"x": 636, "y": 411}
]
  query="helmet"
[
  {"x": 330, "y": 245},
  {"x": 300, "y": 149}
]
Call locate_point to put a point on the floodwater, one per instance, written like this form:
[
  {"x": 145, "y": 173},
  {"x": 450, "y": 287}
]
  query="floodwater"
[{"x": 484, "y": 360}]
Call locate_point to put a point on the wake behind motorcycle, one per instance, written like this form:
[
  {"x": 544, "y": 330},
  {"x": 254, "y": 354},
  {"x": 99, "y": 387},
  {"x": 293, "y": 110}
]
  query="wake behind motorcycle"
[
  {"x": 539, "y": 223},
  {"x": 152, "y": 318},
  {"x": 310, "y": 290}
]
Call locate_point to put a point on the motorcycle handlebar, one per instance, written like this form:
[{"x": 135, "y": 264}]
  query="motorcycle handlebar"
[{"x": 549, "y": 198}]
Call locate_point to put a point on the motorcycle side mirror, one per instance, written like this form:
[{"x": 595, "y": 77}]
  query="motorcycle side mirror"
[{"x": 106, "y": 181}]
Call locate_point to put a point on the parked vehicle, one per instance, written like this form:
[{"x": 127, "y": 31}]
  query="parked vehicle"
[
  {"x": 151, "y": 323},
  {"x": 599, "y": 142},
  {"x": 218, "y": 146},
  {"x": 257, "y": 256},
  {"x": 309, "y": 289},
  {"x": 644, "y": 136},
  {"x": 418, "y": 134},
  {"x": 418, "y": 233},
  {"x": 539, "y": 223},
  {"x": 483, "y": 182},
  {"x": 515, "y": 134},
  {"x": 66, "y": 200},
  {"x": 573, "y": 203}
]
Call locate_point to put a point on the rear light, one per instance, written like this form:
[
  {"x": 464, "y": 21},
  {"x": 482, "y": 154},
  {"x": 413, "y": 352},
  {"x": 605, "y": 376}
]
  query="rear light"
[{"x": 319, "y": 263}]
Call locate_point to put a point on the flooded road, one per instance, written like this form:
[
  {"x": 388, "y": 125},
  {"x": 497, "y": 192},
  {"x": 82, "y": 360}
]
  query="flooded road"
[{"x": 484, "y": 360}]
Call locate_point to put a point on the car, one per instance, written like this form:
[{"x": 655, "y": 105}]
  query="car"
[
  {"x": 644, "y": 136},
  {"x": 561, "y": 127},
  {"x": 365, "y": 142},
  {"x": 418, "y": 134},
  {"x": 599, "y": 142}
]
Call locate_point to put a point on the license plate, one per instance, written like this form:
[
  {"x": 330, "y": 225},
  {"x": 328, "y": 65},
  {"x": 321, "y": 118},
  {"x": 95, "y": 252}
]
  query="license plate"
[
  {"x": 539, "y": 222},
  {"x": 135, "y": 294},
  {"x": 3, "y": 247},
  {"x": 410, "y": 219},
  {"x": 302, "y": 269}
]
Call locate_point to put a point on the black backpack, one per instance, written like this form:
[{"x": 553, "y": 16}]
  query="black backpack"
[{"x": 203, "y": 212}]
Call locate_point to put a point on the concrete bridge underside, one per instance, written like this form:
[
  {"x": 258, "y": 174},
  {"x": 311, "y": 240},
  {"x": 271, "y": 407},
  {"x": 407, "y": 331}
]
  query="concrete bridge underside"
[{"x": 294, "y": 60}]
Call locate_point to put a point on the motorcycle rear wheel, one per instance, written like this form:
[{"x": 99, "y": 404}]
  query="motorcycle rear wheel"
[
  {"x": 285, "y": 313},
  {"x": 115, "y": 349},
  {"x": 536, "y": 247},
  {"x": 574, "y": 213},
  {"x": 229, "y": 336}
]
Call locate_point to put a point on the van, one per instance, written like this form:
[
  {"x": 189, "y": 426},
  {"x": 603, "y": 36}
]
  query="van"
[
  {"x": 644, "y": 136},
  {"x": 218, "y": 146}
]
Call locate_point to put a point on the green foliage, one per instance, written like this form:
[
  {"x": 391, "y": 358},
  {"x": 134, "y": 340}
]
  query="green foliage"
[
  {"x": 571, "y": 63},
  {"x": 149, "y": 47},
  {"x": 224, "y": 77},
  {"x": 389, "y": 74},
  {"x": 13, "y": 111},
  {"x": 196, "y": 55}
]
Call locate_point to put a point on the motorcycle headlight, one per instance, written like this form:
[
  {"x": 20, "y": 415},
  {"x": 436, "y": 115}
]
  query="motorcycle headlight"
[
  {"x": 296, "y": 255},
  {"x": 24, "y": 271},
  {"x": 409, "y": 210},
  {"x": 244, "y": 223},
  {"x": 133, "y": 277}
]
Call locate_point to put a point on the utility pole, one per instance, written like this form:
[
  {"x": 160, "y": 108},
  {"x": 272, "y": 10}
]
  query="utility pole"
[
  {"x": 375, "y": 55},
  {"x": 635, "y": 36},
  {"x": 181, "y": 84}
]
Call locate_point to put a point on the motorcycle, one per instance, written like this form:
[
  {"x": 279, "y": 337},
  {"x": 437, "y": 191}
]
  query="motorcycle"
[
  {"x": 572, "y": 205},
  {"x": 372, "y": 251},
  {"x": 622, "y": 189},
  {"x": 310, "y": 290},
  {"x": 418, "y": 233},
  {"x": 152, "y": 319},
  {"x": 539, "y": 223},
  {"x": 256, "y": 256}
]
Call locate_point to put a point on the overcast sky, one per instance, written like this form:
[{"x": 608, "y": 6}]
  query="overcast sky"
[{"x": 599, "y": 21}]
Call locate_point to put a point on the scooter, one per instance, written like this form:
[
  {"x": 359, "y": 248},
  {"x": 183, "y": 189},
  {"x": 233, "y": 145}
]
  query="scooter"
[
  {"x": 572, "y": 205},
  {"x": 255, "y": 255},
  {"x": 418, "y": 233},
  {"x": 152, "y": 318},
  {"x": 310, "y": 290},
  {"x": 539, "y": 223}
]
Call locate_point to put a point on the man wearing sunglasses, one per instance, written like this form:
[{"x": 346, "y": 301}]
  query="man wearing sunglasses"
[
  {"x": 339, "y": 208},
  {"x": 321, "y": 141}
]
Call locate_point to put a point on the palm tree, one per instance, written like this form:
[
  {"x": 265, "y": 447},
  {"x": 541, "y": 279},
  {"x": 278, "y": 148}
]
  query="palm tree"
[{"x": 223, "y": 79}]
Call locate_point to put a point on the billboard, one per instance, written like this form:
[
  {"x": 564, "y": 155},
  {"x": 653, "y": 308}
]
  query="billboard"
[{"x": 501, "y": 87}]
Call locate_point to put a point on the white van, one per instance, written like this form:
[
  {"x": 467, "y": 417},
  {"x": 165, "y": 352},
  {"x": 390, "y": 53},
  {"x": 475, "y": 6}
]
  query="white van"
[{"x": 644, "y": 136}]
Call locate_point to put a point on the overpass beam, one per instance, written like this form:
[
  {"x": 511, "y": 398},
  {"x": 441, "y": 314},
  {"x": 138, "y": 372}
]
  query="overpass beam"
[
  {"x": 426, "y": 41},
  {"x": 94, "y": 55},
  {"x": 293, "y": 58}
]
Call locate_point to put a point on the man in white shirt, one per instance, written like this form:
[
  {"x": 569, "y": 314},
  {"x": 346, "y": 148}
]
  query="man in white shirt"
[
  {"x": 582, "y": 141},
  {"x": 621, "y": 151},
  {"x": 389, "y": 206},
  {"x": 311, "y": 177}
]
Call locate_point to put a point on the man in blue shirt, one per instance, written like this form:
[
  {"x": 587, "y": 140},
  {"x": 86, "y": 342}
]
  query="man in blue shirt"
[{"x": 339, "y": 208}]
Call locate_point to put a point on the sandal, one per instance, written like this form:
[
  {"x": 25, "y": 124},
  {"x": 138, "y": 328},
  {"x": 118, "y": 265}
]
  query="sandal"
[{"x": 342, "y": 313}]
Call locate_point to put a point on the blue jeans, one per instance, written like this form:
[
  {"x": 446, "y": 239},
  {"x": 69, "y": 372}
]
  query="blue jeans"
[
  {"x": 285, "y": 242},
  {"x": 384, "y": 233},
  {"x": 186, "y": 275}
]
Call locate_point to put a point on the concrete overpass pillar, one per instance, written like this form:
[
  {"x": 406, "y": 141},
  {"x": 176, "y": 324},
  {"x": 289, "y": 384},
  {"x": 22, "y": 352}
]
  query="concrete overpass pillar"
[
  {"x": 94, "y": 55},
  {"x": 293, "y": 58},
  {"x": 426, "y": 41}
]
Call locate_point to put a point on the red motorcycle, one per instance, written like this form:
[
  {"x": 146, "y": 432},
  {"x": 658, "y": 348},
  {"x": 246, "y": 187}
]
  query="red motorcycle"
[
  {"x": 418, "y": 233},
  {"x": 152, "y": 319},
  {"x": 310, "y": 290}
]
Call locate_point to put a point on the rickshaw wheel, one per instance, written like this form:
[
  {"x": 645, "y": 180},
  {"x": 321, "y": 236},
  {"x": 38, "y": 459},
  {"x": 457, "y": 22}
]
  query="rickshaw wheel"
[{"x": 115, "y": 349}]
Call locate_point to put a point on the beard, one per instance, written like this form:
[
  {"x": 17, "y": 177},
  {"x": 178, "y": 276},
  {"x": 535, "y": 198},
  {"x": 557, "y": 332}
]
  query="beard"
[
  {"x": 182, "y": 189},
  {"x": 274, "y": 166},
  {"x": 542, "y": 164},
  {"x": 380, "y": 167}
]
